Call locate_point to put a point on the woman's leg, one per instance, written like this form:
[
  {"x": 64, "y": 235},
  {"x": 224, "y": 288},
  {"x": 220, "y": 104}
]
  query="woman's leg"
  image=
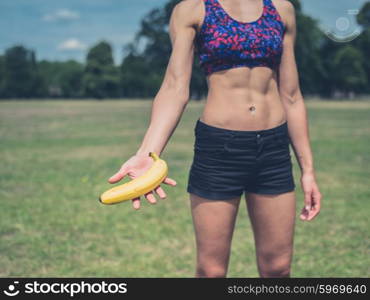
[
  {"x": 273, "y": 220},
  {"x": 214, "y": 222}
]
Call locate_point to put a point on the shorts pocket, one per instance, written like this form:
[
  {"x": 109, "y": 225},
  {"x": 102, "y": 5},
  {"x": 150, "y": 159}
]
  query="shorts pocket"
[
  {"x": 282, "y": 139},
  {"x": 209, "y": 145},
  {"x": 281, "y": 143}
]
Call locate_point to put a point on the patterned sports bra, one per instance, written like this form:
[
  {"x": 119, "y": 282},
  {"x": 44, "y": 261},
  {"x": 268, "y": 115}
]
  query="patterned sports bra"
[{"x": 224, "y": 43}]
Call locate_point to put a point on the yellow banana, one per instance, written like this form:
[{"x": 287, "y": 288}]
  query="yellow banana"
[{"x": 138, "y": 186}]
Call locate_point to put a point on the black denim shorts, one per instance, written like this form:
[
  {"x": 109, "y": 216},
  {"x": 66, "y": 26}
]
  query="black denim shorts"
[{"x": 227, "y": 162}]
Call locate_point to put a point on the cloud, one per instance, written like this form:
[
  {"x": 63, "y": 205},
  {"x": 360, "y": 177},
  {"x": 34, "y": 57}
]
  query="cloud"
[
  {"x": 61, "y": 15},
  {"x": 71, "y": 44}
]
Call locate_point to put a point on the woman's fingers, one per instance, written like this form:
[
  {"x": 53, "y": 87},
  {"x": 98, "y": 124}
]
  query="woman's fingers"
[
  {"x": 160, "y": 192},
  {"x": 150, "y": 197},
  {"x": 316, "y": 204},
  {"x": 169, "y": 181},
  {"x": 119, "y": 175},
  {"x": 136, "y": 203},
  {"x": 312, "y": 205},
  {"x": 308, "y": 199},
  {"x": 312, "y": 214},
  {"x": 304, "y": 213}
]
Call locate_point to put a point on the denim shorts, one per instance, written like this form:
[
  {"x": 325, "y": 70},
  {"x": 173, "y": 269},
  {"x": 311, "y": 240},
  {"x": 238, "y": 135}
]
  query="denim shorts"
[{"x": 228, "y": 162}]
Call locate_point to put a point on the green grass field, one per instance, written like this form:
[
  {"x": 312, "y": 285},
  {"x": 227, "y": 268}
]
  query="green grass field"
[{"x": 56, "y": 157}]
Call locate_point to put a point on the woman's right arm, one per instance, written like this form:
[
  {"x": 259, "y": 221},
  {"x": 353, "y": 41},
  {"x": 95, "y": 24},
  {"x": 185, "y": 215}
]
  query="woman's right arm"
[{"x": 170, "y": 101}]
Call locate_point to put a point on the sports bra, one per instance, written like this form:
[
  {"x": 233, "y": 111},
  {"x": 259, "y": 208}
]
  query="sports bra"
[{"x": 224, "y": 43}]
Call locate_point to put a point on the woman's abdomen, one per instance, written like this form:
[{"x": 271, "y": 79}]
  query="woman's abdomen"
[{"x": 243, "y": 99}]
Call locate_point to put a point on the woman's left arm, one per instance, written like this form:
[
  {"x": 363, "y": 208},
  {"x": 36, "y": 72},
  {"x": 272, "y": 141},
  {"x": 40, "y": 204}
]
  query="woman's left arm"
[{"x": 295, "y": 109}]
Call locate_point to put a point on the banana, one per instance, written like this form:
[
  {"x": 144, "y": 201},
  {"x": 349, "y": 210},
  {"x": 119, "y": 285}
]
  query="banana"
[{"x": 138, "y": 186}]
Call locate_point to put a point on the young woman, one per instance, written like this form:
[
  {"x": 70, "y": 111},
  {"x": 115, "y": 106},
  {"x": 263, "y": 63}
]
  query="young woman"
[{"x": 253, "y": 113}]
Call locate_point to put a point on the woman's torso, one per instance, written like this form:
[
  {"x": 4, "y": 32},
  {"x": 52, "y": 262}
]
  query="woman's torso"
[{"x": 244, "y": 97}]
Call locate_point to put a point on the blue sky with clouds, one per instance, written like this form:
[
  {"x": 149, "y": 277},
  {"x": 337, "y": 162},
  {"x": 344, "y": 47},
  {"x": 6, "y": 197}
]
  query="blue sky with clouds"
[{"x": 64, "y": 29}]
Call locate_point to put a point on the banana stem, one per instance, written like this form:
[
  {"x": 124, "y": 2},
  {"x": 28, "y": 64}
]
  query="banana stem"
[{"x": 154, "y": 155}]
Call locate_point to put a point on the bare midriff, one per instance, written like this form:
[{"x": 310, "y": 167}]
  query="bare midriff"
[{"x": 243, "y": 98}]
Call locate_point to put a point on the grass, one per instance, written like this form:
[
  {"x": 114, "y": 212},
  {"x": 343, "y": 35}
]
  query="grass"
[{"x": 56, "y": 157}]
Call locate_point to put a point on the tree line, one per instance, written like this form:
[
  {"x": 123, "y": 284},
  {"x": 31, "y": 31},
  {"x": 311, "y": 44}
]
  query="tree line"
[{"x": 327, "y": 68}]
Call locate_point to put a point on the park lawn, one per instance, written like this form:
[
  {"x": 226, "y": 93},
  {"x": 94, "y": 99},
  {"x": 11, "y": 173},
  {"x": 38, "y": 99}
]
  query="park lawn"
[{"x": 56, "y": 157}]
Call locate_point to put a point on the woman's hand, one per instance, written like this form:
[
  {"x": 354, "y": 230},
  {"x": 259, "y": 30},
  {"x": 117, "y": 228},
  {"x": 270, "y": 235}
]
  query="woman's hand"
[
  {"x": 312, "y": 197},
  {"x": 136, "y": 166}
]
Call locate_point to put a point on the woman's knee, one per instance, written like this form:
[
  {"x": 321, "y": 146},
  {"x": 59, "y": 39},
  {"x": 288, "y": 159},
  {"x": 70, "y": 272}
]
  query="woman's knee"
[
  {"x": 211, "y": 271},
  {"x": 277, "y": 267},
  {"x": 274, "y": 264}
]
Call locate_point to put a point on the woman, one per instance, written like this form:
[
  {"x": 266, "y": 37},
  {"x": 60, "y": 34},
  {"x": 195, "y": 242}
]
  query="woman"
[{"x": 254, "y": 111}]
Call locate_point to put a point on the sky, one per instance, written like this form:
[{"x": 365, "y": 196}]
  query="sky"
[{"x": 65, "y": 29}]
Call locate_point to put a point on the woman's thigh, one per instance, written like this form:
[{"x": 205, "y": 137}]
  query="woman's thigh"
[
  {"x": 214, "y": 222},
  {"x": 273, "y": 220}
]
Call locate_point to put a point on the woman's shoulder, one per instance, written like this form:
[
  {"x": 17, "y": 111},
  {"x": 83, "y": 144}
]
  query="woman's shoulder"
[
  {"x": 284, "y": 6},
  {"x": 285, "y": 9},
  {"x": 188, "y": 6},
  {"x": 190, "y": 11}
]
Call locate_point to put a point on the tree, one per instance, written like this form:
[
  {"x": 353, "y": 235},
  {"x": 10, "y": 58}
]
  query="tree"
[
  {"x": 21, "y": 76},
  {"x": 101, "y": 77},
  {"x": 307, "y": 49},
  {"x": 146, "y": 68},
  {"x": 297, "y": 5},
  {"x": 62, "y": 79},
  {"x": 51, "y": 71},
  {"x": 349, "y": 73},
  {"x": 362, "y": 43},
  {"x": 2, "y": 74},
  {"x": 71, "y": 79},
  {"x": 137, "y": 77},
  {"x": 363, "y": 18}
]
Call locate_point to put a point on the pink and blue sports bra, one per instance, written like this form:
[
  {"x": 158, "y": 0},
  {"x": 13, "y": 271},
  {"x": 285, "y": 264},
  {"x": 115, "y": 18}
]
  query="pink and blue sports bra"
[{"x": 224, "y": 43}]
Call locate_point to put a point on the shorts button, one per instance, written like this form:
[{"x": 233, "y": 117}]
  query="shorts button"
[{"x": 258, "y": 135}]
